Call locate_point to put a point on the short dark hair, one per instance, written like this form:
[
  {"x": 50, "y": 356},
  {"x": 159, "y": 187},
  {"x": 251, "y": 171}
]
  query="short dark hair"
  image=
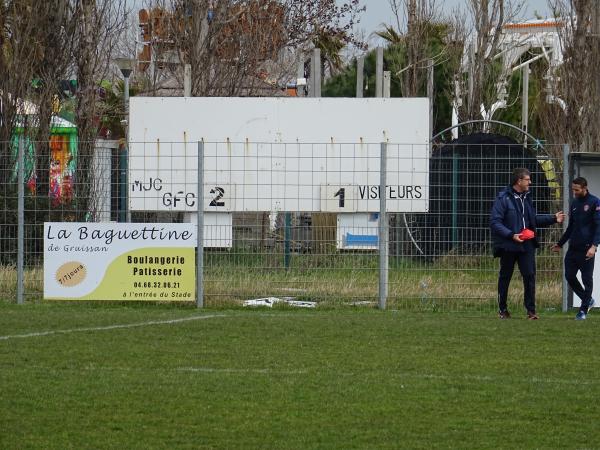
[
  {"x": 580, "y": 181},
  {"x": 519, "y": 173}
]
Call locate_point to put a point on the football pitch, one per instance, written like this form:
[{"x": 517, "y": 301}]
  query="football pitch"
[{"x": 157, "y": 376}]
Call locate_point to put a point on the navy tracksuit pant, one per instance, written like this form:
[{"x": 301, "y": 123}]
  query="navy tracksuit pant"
[
  {"x": 575, "y": 261},
  {"x": 526, "y": 262}
]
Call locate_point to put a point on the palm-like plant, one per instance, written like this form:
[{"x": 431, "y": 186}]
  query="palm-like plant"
[
  {"x": 389, "y": 34},
  {"x": 331, "y": 46}
]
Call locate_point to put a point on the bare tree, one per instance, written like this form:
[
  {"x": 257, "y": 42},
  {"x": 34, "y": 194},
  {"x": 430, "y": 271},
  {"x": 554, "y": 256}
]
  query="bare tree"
[
  {"x": 99, "y": 24},
  {"x": 34, "y": 53},
  {"x": 486, "y": 78},
  {"x": 43, "y": 43},
  {"x": 236, "y": 47},
  {"x": 414, "y": 19},
  {"x": 17, "y": 66},
  {"x": 55, "y": 31},
  {"x": 35, "y": 40},
  {"x": 573, "y": 93}
]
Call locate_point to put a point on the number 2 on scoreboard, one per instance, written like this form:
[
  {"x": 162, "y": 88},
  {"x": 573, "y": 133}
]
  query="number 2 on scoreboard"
[{"x": 216, "y": 201}]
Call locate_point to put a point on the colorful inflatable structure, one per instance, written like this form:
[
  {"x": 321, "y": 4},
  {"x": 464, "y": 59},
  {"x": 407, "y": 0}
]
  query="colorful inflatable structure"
[{"x": 62, "y": 161}]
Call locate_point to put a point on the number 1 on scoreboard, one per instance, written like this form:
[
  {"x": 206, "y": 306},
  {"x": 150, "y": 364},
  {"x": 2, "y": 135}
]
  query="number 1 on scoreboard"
[
  {"x": 341, "y": 193},
  {"x": 336, "y": 198}
]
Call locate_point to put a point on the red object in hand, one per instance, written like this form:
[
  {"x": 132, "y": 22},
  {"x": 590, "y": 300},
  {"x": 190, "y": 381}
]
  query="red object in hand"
[{"x": 526, "y": 234}]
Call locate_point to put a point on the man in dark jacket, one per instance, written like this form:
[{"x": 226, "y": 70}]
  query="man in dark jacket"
[
  {"x": 583, "y": 234},
  {"x": 514, "y": 222}
]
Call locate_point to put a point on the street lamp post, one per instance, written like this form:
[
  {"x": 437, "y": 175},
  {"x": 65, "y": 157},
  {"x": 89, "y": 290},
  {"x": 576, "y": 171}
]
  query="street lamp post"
[{"x": 126, "y": 66}]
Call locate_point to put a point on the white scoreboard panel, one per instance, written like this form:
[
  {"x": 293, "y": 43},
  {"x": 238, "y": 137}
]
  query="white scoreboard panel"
[{"x": 278, "y": 154}]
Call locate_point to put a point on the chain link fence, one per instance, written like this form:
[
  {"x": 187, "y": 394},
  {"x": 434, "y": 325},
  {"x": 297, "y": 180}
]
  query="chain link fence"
[{"x": 290, "y": 221}]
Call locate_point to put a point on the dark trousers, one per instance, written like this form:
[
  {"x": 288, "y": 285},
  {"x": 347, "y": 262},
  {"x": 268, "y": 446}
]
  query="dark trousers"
[
  {"x": 526, "y": 262},
  {"x": 575, "y": 261}
]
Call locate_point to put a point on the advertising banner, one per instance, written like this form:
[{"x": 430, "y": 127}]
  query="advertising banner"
[{"x": 119, "y": 261}]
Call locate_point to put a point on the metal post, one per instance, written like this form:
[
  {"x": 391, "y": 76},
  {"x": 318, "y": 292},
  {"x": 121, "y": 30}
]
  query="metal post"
[
  {"x": 387, "y": 84},
  {"x": 124, "y": 213},
  {"x": 315, "y": 73},
  {"x": 454, "y": 196},
  {"x": 126, "y": 157},
  {"x": 471, "y": 71},
  {"x": 287, "y": 237},
  {"x": 360, "y": 76},
  {"x": 101, "y": 180},
  {"x": 566, "y": 197},
  {"x": 187, "y": 80},
  {"x": 200, "y": 229},
  {"x": 21, "y": 217},
  {"x": 379, "y": 73},
  {"x": 430, "y": 93},
  {"x": 525, "y": 103},
  {"x": 311, "y": 78},
  {"x": 123, "y": 184},
  {"x": 383, "y": 229},
  {"x": 300, "y": 76},
  {"x": 595, "y": 41}
]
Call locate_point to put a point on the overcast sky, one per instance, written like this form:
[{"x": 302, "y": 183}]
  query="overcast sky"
[{"x": 379, "y": 12}]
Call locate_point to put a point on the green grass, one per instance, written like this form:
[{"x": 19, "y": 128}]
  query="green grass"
[
  {"x": 451, "y": 283},
  {"x": 294, "y": 379},
  {"x": 455, "y": 281}
]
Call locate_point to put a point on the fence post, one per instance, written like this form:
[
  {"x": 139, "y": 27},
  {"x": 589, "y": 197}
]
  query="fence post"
[
  {"x": 200, "y": 229},
  {"x": 566, "y": 195},
  {"x": 454, "y": 196},
  {"x": 379, "y": 72},
  {"x": 360, "y": 76},
  {"x": 21, "y": 217},
  {"x": 383, "y": 229},
  {"x": 287, "y": 237},
  {"x": 123, "y": 184},
  {"x": 315, "y": 73}
]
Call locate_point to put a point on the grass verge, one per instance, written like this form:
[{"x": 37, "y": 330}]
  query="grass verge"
[{"x": 452, "y": 283}]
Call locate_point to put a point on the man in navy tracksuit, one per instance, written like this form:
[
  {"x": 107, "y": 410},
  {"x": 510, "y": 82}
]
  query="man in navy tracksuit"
[
  {"x": 513, "y": 223},
  {"x": 583, "y": 234}
]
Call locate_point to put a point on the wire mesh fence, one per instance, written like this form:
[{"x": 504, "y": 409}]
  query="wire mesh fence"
[{"x": 294, "y": 222}]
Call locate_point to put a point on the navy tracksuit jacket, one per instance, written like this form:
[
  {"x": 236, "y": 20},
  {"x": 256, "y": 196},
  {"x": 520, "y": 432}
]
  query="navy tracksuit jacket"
[
  {"x": 511, "y": 213},
  {"x": 583, "y": 231}
]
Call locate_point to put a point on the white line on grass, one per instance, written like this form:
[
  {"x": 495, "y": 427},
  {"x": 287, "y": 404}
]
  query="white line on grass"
[
  {"x": 111, "y": 327},
  {"x": 129, "y": 325},
  {"x": 246, "y": 371},
  {"x": 403, "y": 377},
  {"x": 496, "y": 379}
]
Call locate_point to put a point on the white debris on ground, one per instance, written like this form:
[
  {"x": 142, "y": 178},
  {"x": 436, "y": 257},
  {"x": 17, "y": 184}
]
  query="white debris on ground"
[
  {"x": 270, "y": 301},
  {"x": 302, "y": 304}
]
